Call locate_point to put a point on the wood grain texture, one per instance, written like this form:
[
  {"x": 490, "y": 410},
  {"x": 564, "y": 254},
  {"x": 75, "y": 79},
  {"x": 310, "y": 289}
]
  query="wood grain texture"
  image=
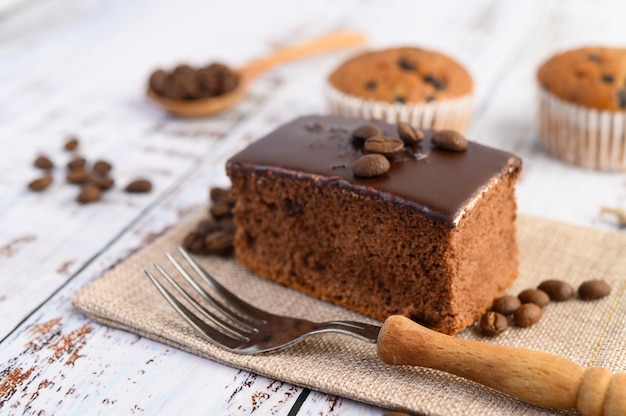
[{"x": 71, "y": 67}]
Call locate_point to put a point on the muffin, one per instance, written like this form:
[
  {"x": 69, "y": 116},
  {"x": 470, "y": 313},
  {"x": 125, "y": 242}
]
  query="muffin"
[
  {"x": 427, "y": 89},
  {"x": 582, "y": 107}
]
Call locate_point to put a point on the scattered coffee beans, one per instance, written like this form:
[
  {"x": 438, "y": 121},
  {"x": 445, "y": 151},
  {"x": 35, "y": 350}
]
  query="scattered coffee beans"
[
  {"x": 493, "y": 323},
  {"x": 43, "y": 162},
  {"x": 214, "y": 235},
  {"x": 188, "y": 83},
  {"x": 536, "y": 296},
  {"x": 139, "y": 186},
  {"x": 506, "y": 305},
  {"x": 408, "y": 134},
  {"x": 40, "y": 184},
  {"x": 558, "y": 290},
  {"x": 71, "y": 144},
  {"x": 593, "y": 289},
  {"x": 527, "y": 315},
  {"x": 103, "y": 182},
  {"x": 383, "y": 145},
  {"x": 102, "y": 166},
  {"x": 78, "y": 175},
  {"x": 449, "y": 140},
  {"x": 77, "y": 163},
  {"x": 88, "y": 194},
  {"x": 370, "y": 165},
  {"x": 366, "y": 131}
]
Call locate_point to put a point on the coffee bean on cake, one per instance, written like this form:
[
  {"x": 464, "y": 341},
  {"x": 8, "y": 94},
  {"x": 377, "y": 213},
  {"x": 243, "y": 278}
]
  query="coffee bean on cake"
[
  {"x": 383, "y": 145},
  {"x": 408, "y": 134},
  {"x": 371, "y": 165},
  {"x": 594, "y": 289},
  {"x": 558, "y": 290},
  {"x": 449, "y": 140},
  {"x": 366, "y": 131}
]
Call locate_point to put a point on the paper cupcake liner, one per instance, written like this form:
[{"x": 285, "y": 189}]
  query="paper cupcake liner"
[
  {"x": 582, "y": 136},
  {"x": 453, "y": 114}
]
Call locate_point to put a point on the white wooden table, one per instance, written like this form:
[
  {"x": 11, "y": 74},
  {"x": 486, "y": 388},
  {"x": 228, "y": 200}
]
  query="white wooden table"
[{"x": 78, "y": 67}]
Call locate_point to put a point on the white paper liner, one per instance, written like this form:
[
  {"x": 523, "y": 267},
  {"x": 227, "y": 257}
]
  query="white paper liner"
[
  {"x": 453, "y": 114},
  {"x": 582, "y": 136}
]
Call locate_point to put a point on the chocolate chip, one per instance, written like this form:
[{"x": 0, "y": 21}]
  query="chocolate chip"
[
  {"x": 594, "y": 57},
  {"x": 536, "y": 296},
  {"x": 621, "y": 98},
  {"x": 493, "y": 323},
  {"x": 78, "y": 175},
  {"x": 43, "y": 162},
  {"x": 370, "y": 165},
  {"x": 608, "y": 79},
  {"x": 399, "y": 99},
  {"x": 405, "y": 64},
  {"x": 409, "y": 134},
  {"x": 429, "y": 98},
  {"x": 449, "y": 140},
  {"x": 527, "y": 315},
  {"x": 76, "y": 163},
  {"x": 558, "y": 290},
  {"x": 371, "y": 85},
  {"x": 40, "y": 184},
  {"x": 102, "y": 166},
  {"x": 139, "y": 186},
  {"x": 71, "y": 144},
  {"x": 88, "y": 194},
  {"x": 506, "y": 305},
  {"x": 366, "y": 131},
  {"x": 435, "y": 82},
  {"x": 383, "y": 145},
  {"x": 594, "y": 289}
]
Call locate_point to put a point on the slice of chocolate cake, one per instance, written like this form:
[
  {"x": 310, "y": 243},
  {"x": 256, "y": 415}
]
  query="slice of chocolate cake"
[{"x": 433, "y": 238}]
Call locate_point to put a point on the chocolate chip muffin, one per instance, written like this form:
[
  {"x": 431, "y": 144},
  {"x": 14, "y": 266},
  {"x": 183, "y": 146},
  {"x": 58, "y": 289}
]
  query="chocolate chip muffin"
[
  {"x": 425, "y": 88},
  {"x": 582, "y": 107}
]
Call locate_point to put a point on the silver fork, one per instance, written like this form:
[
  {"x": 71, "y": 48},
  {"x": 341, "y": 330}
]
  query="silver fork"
[{"x": 532, "y": 376}]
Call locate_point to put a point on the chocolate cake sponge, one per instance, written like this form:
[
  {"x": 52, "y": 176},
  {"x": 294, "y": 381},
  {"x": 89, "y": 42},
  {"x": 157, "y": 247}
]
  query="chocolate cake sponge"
[{"x": 432, "y": 239}]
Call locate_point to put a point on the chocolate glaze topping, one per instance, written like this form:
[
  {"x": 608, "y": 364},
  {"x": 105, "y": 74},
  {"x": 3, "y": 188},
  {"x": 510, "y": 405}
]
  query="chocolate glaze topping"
[{"x": 438, "y": 183}]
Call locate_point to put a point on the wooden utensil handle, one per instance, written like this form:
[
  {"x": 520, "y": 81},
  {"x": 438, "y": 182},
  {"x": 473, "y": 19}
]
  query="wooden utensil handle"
[
  {"x": 531, "y": 376},
  {"x": 326, "y": 43}
]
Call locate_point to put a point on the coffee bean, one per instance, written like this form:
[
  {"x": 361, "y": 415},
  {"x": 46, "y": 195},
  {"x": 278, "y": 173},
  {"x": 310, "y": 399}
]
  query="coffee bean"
[
  {"x": 102, "y": 166},
  {"x": 594, "y": 289},
  {"x": 71, "y": 144},
  {"x": 89, "y": 193},
  {"x": 493, "y": 323},
  {"x": 383, "y": 145},
  {"x": 536, "y": 296},
  {"x": 608, "y": 79},
  {"x": 76, "y": 163},
  {"x": 621, "y": 98},
  {"x": 527, "y": 315},
  {"x": 78, "y": 175},
  {"x": 227, "y": 224},
  {"x": 449, "y": 140},
  {"x": 506, "y": 304},
  {"x": 366, "y": 131},
  {"x": 221, "y": 194},
  {"x": 221, "y": 209},
  {"x": 409, "y": 134},
  {"x": 558, "y": 290},
  {"x": 43, "y": 162},
  {"x": 370, "y": 165},
  {"x": 219, "y": 242},
  {"x": 40, "y": 184},
  {"x": 139, "y": 186},
  {"x": 103, "y": 182}
]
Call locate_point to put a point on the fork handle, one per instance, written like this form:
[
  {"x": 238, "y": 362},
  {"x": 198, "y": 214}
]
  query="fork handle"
[{"x": 534, "y": 377}]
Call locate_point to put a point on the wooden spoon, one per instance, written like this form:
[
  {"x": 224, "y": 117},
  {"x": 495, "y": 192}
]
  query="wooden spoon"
[{"x": 207, "y": 106}]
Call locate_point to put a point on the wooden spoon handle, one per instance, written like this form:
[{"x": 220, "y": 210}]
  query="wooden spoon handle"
[
  {"x": 531, "y": 376},
  {"x": 326, "y": 43}
]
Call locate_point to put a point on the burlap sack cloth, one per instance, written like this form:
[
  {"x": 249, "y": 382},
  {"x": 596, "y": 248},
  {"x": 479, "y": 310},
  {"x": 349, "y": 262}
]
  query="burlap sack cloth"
[{"x": 591, "y": 333}]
